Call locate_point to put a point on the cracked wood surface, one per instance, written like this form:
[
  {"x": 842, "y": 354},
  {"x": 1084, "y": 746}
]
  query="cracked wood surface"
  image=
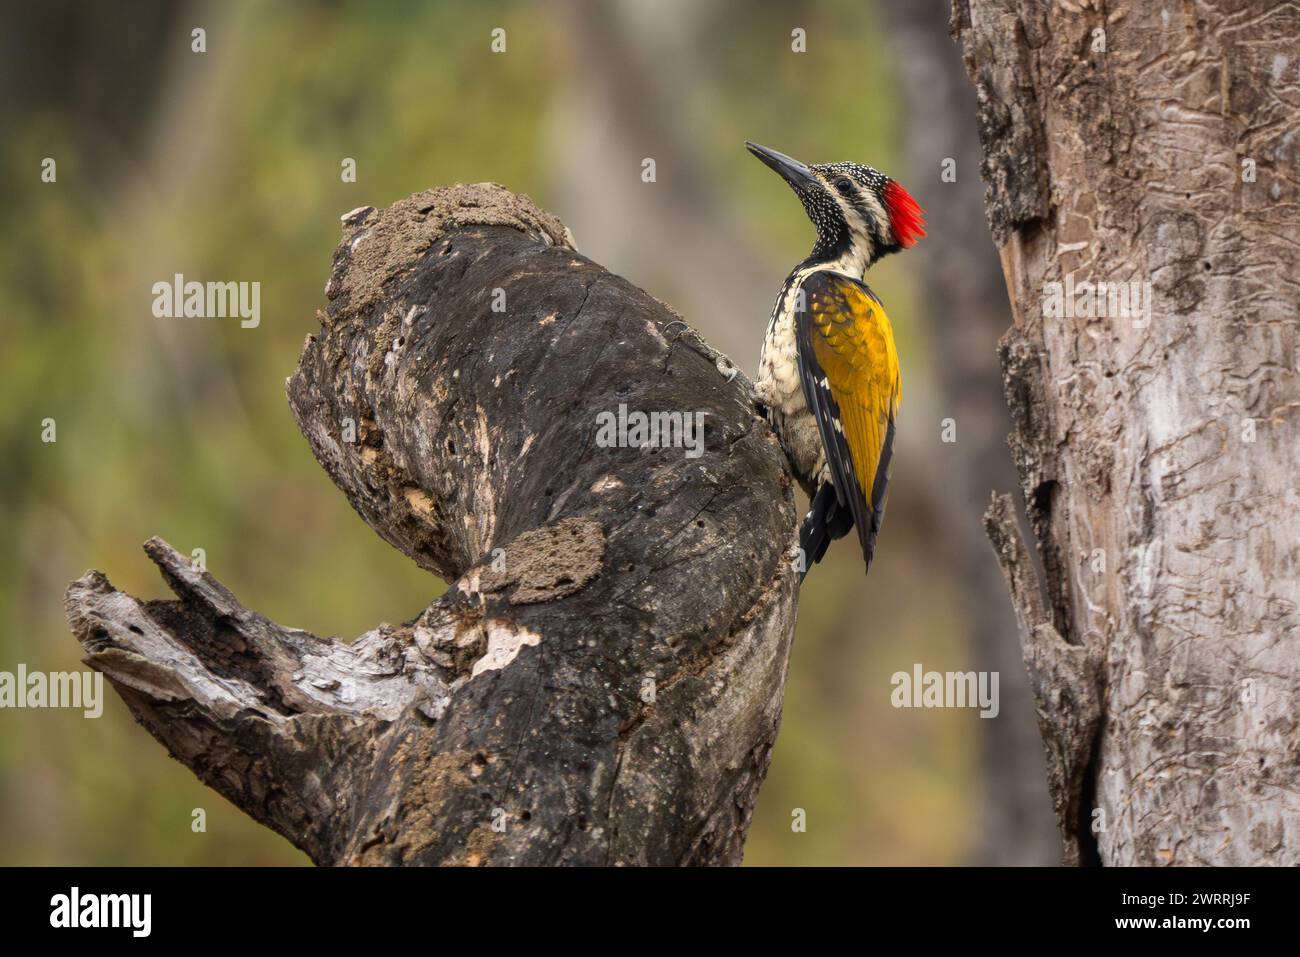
[
  {"x": 602, "y": 681},
  {"x": 1157, "y": 459}
]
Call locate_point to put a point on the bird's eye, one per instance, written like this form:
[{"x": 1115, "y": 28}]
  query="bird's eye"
[{"x": 844, "y": 185}]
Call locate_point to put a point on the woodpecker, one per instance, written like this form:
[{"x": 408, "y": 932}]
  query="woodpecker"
[{"x": 828, "y": 374}]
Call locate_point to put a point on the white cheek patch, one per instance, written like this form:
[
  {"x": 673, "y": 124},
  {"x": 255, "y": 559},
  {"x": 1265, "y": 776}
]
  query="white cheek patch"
[
  {"x": 854, "y": 263},
  {"x": 861, "y": 234},
  {"x": 877, "y": 208}
]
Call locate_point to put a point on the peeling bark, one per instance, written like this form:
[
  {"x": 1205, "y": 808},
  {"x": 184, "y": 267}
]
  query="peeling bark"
[
  {"x": 1157, "y": 454},
  {"x": 602, "y": 682}
]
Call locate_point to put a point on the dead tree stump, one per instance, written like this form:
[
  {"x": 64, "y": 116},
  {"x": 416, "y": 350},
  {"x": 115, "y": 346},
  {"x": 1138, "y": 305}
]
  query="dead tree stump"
[{"x": 602, "y": 681}]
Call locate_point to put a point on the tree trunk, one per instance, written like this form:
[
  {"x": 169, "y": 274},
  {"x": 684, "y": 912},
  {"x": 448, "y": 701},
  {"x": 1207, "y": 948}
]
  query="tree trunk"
[
  {"x": 602, "y": 682},
  {"x": 1156, "y": 451}
]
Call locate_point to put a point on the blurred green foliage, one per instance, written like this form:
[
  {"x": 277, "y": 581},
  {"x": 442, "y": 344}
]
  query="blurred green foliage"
[{"x": 226, "y": 165}]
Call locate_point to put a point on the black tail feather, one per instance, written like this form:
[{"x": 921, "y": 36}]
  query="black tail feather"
[{"x": 826, "y": 521}]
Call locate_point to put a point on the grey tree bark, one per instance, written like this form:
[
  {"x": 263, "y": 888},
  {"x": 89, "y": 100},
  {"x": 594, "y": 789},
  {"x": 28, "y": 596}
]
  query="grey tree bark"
[
  {"x": 602, "y": 682},
  {"x": 1132, "y": 142}
]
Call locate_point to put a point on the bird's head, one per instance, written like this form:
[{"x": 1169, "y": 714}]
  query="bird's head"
[{"x": 860, "y": 213}]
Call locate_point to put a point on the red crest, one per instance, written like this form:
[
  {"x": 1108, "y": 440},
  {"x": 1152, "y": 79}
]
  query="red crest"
[{"x": 906, "y": 218}]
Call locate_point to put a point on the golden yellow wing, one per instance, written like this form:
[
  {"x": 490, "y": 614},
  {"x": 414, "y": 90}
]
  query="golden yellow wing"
[{"x": 849, "y": 368}]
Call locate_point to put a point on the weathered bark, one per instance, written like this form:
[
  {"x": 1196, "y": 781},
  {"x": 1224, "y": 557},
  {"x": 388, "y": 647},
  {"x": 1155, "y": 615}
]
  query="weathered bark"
[
  {"x": 602, "y": 682},
  {"x": 1157, "y": 459}
]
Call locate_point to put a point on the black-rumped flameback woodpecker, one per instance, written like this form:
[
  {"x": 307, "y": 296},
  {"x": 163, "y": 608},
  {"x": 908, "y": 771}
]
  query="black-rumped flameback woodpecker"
[{"x": 828, "y": 374}]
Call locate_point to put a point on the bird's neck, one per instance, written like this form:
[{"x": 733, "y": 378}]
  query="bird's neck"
[{"x": 842, "y": 256}]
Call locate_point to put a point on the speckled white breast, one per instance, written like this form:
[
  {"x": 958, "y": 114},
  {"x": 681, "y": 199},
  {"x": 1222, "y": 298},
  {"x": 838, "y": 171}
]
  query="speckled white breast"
[{"x": 779, "y": 388}]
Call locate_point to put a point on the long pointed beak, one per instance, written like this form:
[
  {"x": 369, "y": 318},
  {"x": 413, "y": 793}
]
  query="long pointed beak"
[{"x": 792, "y": 171}]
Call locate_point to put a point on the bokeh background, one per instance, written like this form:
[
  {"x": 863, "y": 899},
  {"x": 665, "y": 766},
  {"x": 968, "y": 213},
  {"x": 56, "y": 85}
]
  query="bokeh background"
[{"x": 226, "y": 165}]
